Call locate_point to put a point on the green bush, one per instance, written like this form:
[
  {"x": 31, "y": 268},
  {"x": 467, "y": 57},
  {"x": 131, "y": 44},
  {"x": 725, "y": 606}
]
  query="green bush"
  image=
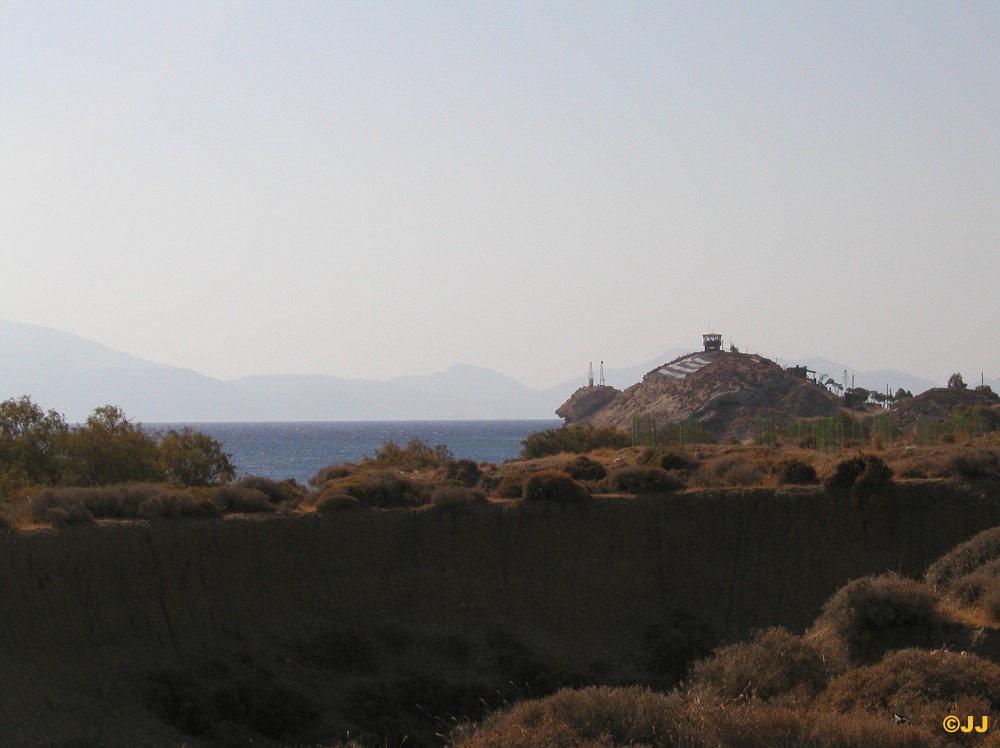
[
  {"x": 384, "y": 489},
  {"x": 584, "y": 468},
  {"x": 575, "y": 438},
  {"x": 554, "y": 485},
  {"x": 417, "y": 455},
  {"x": 638, "y": 479}
]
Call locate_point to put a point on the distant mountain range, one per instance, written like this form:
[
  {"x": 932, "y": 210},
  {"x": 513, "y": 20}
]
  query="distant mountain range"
[{"x": 73, "y": 375}]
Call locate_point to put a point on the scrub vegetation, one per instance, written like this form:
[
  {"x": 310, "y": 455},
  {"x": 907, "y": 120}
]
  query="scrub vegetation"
[{"x": 884, "y": 660}]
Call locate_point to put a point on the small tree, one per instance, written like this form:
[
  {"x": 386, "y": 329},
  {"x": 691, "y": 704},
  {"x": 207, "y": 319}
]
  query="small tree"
[
  {"x": 192, "y": 458},
  {"x": 109, "y": 448},
  {"x": 29, "y": 444},
  {"x": 955, "y": 382}
]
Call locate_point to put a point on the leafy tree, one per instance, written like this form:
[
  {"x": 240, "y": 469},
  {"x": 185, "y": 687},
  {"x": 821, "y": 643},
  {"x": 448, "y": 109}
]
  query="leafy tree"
[
  {"x": 109, "y": 448},
  {"x": 902, "y": 394},
  {"x": 29, "y": 444},
  {"x": 955, "y": 382},
  {"x": 192, "y": 458}
]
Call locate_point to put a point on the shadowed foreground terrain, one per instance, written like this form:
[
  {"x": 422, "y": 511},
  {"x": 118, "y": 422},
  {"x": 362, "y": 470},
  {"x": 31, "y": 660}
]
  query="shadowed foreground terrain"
[{"x": 387, "y": 624}]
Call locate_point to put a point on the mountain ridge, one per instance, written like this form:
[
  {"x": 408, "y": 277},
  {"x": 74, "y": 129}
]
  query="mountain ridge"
[{"x": 73, "y": 375}]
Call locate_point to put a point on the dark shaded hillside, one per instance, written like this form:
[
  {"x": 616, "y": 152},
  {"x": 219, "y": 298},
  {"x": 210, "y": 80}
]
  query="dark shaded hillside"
[{"x": 86, "y": 612}]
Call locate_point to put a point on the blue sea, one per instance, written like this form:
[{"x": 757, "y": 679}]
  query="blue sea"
[{"x": 298, "y": 450}]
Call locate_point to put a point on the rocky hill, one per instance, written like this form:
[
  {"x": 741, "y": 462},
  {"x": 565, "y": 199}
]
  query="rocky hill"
[
  {"x": 725, "y": 391},
  {"x": 942, "y": 402}
]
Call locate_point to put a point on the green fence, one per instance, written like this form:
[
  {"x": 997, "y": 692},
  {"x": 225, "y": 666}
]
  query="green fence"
[
  {"x": 882, "y": 429},
  {"x": 926, "y": 432},
  {"x": 643, "y": 431},
  {"x": 763, "y": 432},
  {"x": 829, "y": 434},
  {"x": 690, "y": 431}
]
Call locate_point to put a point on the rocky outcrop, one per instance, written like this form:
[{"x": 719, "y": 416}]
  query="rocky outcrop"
[
  {"x": 585, "y": 402},
  {"x": 725, "y": 391}
]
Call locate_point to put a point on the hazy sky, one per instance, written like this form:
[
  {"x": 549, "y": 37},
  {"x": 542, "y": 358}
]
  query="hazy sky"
[{"x": 384, "y": 188}]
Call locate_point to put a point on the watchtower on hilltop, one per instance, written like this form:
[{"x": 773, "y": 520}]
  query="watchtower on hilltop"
[{"x": 713, "y": 341}]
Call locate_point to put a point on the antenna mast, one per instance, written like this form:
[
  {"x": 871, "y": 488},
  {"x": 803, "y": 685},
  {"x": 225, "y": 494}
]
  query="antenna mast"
[
  {"x": 590, "y": 375},
  {"x": 602, "y": 373}
]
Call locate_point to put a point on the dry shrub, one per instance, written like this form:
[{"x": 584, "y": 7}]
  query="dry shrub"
[
  {"x": 921, "y": 684},
  {"x": 554, "y": 485},
  {"x": 775, "y": 663},
  {"x": 173, "y": 503},
  {"x": 769, "y": 725},
  {"x": 594, "y": 717},
  {"x": 732, "y": 470},
  {"x": 58, "y": 507},
  {"x": 286, "y": 492},
  {"x": 978, "y": 462},
  {"x": 450, "y": 497},
  {"x": 585, "y": 468},
  {"x": 118, "y": 502},
  {"x": 873, "y": 605},
  {"x": 510, "y": 487},
  {"x": 333, "y": 501},
  {"x": 238, "y": 499},
  {"x": 674, "y": 460},
  {"x": 795, "y": 472},
  {"x": 640, "y": 479},
  {"x": 329, "y": 473},
  {"x": 964, "y": 559}
]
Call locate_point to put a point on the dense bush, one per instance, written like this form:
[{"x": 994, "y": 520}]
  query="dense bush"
[
  {"x": 576, "y": 438},
  {"x": 330, "y": 473},
  {"x": 673, "y": 460},
  {"x": 464, "y": 472},
  {"x": 794, "y": 472},
  {"x": 510, "y": 487},
  {"x": 872, "y": 605},
  {"x": 865, "y": 474},
  {"x": 554, "y": 485},
  {"x": 584, "y": 468},
  {"x": 417, "y": 455},
  {"x": 643, "y": 479},
  {"x": 382, "y": 489}
]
